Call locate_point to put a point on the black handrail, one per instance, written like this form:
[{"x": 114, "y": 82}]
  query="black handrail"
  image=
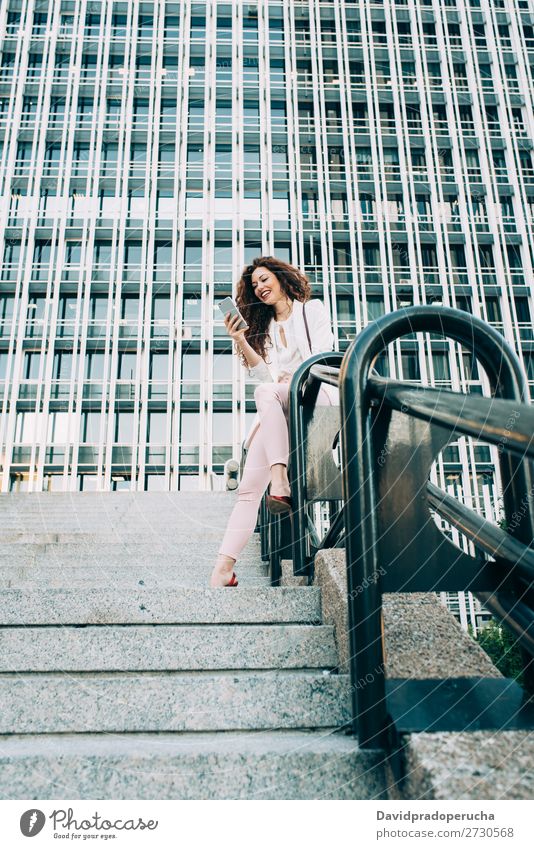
[
  {"x": 386, "y": 514},
  {"x": 303, "y": 392},
  {"x": 295, "y": 537},
  {"x": 367, "y": 403}
]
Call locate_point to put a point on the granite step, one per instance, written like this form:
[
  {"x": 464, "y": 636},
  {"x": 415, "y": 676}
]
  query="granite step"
[
  {"x": 123, "y": 675},
  {"x": 119, "y": 553},
  {"x": 168, "y": 579},
  {"x": 141, "y": 605},
  {"x": 245, "y": 765},
  {"x": 46, "y": 703},
  {"x": 166, "y": 647},
  {"x": 123, "y": 534},
  {"x": 78, "y": 511}
]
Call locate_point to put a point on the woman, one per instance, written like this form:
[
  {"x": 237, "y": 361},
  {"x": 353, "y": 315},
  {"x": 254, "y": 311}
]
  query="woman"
[{"x": 270, "y": 296}]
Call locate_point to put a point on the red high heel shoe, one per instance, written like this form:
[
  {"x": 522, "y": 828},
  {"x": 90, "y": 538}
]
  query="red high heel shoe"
[
  {"x": 233, "y": 582},
  {"x": 279, "y": 504}
]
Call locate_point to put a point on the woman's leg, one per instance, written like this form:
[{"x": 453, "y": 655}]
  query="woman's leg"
[
  {"x": 256, "y": 476},
  {"x": 272, "y": 404}
]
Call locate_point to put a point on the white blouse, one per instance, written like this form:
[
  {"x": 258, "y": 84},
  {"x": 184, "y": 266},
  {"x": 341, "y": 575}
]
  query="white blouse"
[
  {"x": 289, "y": 357},
  {"x": 322, "y": 339}
]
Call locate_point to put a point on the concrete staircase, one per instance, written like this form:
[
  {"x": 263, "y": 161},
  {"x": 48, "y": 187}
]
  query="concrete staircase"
[{"x": 123, "y": 676}]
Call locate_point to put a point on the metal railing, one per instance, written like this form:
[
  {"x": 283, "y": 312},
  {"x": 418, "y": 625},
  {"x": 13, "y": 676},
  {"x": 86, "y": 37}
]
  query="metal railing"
[
  {"x": 390, "y": 434},
  {"x": 313, "y": 475}
]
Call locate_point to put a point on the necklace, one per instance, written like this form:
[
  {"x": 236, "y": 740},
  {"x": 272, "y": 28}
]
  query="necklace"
[{"x": 288, "y": 314}]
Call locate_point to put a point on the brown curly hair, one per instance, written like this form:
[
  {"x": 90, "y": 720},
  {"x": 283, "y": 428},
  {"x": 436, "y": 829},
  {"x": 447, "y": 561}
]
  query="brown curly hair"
[{"x": 257, "y": 314}]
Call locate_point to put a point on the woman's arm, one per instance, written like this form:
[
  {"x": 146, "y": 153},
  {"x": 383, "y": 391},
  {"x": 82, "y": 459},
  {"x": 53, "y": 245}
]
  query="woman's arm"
[
  {"x": 252, "y": 357},
  {"x": 256, "y": 366}
]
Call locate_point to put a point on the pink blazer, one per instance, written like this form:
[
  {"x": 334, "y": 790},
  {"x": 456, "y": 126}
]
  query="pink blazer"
[{"x": 322, "y": 339}]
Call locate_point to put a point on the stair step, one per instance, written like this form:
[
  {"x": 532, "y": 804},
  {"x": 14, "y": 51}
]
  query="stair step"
[
  {"x": 212, "y": 532},
  {"x": 169, "y": 647},
  {"x": 170, "y": 579},
  {"x": 244, "y": 765},
  {"x": 76, "y": 512},
  {"x": 115, "y": 605},
  {"x": 171, "y": 701},
  {"x": 134, "y": 551}
]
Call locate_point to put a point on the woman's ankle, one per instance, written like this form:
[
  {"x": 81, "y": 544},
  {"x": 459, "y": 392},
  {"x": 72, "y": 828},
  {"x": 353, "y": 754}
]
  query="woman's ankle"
[
  {"x": 225, "y": 563},
  {"x": 280, "y": 487}
]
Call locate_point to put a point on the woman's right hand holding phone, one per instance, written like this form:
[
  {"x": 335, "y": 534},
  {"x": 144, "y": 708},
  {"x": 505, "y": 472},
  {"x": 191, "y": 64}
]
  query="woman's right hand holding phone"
[{"x": 232, "y": 322}]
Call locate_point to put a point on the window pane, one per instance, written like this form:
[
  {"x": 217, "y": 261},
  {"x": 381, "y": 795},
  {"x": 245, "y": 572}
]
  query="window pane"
[{"x": 156, "y": 429}]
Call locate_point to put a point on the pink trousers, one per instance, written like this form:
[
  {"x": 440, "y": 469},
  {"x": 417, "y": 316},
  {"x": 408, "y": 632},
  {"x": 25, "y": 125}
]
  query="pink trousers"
[{"x": 269, "y": 445}]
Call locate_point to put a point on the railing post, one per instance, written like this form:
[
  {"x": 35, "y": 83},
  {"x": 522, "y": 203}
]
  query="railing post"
[
  {"x": 297, "y": 460},
  {"x": 364, "y": 596}
]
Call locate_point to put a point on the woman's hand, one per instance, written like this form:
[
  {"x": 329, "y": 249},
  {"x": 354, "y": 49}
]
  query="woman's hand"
[{"x": 231, "y": 322}]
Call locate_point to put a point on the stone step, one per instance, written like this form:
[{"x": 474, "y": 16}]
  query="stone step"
[
  {"x": 203, "y": 518},
  {"x": 173, "y": 647},
  {"x": 79, "y": 509},
  {"x": 115, "y": 605},
  {"x": 118, "y": 553},
  {"x": 92, "y": 557},
  {"x": 169, "y": 580},
  {"x": 267, "y": 765},
  {"x": 41, "y": 703},
  {"x": 199, "y": 534},
  {"x": 117, "y": 500}
]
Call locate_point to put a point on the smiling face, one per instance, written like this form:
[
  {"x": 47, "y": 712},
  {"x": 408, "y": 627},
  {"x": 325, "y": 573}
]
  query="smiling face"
[{"x": 266, "y": 286}]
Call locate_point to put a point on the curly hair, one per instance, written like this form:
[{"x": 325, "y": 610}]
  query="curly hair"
[{"x": 257, "y": 314}]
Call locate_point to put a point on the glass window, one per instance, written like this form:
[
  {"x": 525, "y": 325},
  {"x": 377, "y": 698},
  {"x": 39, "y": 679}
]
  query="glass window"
[
  {"x": 157, "y": 428},
  {"x": 102, "y": 253},
  {"x": 162, "y": 253},
  {"x": 98, "y": 307},
  {"x": 192, "y": 309},
  {"x": 222, "y": 428},
  {"x": 195, "y": 153},
  {"x": 62, "y": 365},
  {"x": 155, "y": 483},
  {"x": 88, "y": 483},
  {"x": 26, "y": 427},
  {"x": 127, "y": 365},
  {"x": 191, "y": 367},
  {"x": 7, "y": 303},
  {"x": 189, "y": 428},
  {"x": 193, "y": 253},
  {"x": 124, "y": 428},
  {"x": 58, "y": 427},
  {"x": 375, "y": 307},
  {"x": 167, "y": 153},
  {"x": 522, "y": 309},
  {"x": 129, "y": 307},
  {"x": 345, "y": 308},
  {"x": 11, "y": 252},
  {"x": 410, "y": 367},
  {"x": 73, "y": 253},
  {"x": 94, "y": 365},
  {"x": 528, "y": 357},
  {"x": 161, "y": 308},
  {"x": 440, "y": 363},
  {"x": 159, "y": 366},
  {"x": 493, "y": 309},
  {"x": 189, "y": 482},
  {"x": 90, "y": 427},
  {"x": 222, "y": 367}
]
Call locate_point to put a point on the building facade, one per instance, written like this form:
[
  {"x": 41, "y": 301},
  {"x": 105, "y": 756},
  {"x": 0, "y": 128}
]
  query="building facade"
[{"x": 149, "y": 149}]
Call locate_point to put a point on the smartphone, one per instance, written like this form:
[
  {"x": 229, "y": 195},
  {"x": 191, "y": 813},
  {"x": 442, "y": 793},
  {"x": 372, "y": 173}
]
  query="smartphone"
[{"x": 228, "y": 306}]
